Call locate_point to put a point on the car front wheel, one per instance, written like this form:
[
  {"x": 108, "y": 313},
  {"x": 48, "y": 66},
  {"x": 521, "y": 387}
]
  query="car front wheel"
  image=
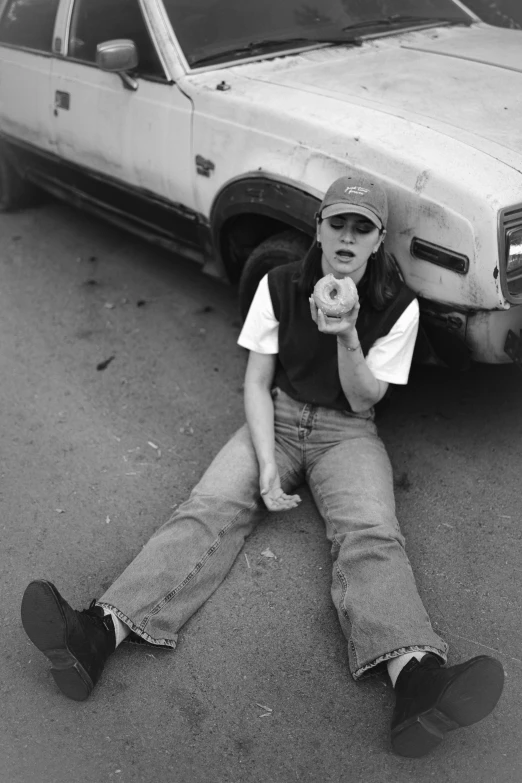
[{"x": 282, "y": 248}]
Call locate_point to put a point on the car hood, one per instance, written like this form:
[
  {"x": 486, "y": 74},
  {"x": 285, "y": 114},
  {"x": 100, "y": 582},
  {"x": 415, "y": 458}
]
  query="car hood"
[{"x": 465, "y": 82}]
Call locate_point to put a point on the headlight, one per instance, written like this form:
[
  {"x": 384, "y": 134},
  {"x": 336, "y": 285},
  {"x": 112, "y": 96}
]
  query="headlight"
[
  {"x": 510, "y": 247},
  {"x": 514, "y": 252}
]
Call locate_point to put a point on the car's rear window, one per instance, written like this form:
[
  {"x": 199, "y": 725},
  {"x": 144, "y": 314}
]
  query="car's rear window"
[
  {"x": 217, "y": 27},
  {"x": 29, "y": 24}
]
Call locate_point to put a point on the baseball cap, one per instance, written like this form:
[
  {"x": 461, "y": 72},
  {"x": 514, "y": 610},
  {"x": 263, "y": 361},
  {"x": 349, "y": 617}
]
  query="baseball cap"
[{"x": 357, "y": 193}]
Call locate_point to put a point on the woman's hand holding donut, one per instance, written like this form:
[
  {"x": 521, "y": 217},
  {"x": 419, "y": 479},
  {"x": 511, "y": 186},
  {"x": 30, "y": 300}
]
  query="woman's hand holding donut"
[
  {"x": 273, "y": 496},
  {"x": 342, "y": 325}
]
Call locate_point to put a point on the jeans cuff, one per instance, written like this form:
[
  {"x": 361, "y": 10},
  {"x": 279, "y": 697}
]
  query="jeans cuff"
[
  {"x": 362, "y": 670},
  {"x": 142, "y": 636}
]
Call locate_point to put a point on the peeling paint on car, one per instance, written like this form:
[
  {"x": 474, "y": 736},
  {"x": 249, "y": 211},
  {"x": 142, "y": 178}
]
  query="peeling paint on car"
[{"x": 421, "y": 181}]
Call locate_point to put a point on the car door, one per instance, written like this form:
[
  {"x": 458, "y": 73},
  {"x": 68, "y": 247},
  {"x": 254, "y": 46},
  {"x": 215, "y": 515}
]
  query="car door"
[
  {"x": 126, "y": 150},
  {"x": 26, "y": 38}
]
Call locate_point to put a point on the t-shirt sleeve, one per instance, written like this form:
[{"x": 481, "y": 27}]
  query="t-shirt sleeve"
[
  {"x": 260, "y": 331},
  {"x": 390, "y": 356}
]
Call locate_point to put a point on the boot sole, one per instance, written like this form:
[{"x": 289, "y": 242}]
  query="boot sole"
[
  {"x": 45, "y": 624},
  {"x": 467, "y": 699}
]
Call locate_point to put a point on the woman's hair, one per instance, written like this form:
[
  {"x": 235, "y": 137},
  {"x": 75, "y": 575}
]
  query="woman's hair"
[{"x": 381, "y": 280}]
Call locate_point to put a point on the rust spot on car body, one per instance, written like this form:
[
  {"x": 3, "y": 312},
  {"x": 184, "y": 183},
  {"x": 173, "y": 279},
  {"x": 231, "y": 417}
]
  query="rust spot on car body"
[{"x": 421, "y": 181}]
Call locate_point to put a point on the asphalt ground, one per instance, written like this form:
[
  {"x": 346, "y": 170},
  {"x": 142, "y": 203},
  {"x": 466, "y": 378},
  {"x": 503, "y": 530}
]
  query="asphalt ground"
[{"x": 92, "y": 461}]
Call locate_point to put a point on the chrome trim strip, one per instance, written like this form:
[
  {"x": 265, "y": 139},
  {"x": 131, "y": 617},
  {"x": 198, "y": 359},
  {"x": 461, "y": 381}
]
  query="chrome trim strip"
[{"x": 27, "y": 49}]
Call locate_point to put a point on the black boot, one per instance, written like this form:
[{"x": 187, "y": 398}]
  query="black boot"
[
  {"x": 432, "y": 700},
  {"x": 76, "y": 643}
]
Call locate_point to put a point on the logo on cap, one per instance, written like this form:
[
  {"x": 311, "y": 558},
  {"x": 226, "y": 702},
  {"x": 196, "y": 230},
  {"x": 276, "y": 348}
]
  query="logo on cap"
[{"x": 356, "y": 190}]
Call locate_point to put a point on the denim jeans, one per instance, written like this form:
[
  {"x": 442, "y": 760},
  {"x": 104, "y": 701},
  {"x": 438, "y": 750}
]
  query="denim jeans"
[{"x": 345, "y": 464}]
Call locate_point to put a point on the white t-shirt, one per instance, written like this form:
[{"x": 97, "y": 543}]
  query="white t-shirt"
[{"x": 389, "y": 358}]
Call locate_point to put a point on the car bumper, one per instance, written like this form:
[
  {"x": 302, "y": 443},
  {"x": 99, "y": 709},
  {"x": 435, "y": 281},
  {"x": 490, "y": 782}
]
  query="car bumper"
[{"x": 494, "y": 336}]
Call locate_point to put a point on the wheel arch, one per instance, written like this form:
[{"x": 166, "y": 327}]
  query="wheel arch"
[{"x": 253, "y": 207}]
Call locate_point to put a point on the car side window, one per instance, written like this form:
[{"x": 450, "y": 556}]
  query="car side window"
[
  {"x": 96, "y": 21},
  {"x": 29, "y": 24}
]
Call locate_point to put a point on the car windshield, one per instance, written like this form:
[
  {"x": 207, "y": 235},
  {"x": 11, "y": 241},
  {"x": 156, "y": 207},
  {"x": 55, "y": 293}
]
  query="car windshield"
[{"x": 218, "y": 31}]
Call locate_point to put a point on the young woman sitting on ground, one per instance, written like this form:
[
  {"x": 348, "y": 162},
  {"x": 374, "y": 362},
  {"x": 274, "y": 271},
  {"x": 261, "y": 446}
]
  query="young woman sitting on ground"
[{"x": 311, "y": 385}]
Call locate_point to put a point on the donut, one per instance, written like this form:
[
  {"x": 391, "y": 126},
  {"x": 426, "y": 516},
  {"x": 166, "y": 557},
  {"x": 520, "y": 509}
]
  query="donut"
[{"x": 335, "y": 296}]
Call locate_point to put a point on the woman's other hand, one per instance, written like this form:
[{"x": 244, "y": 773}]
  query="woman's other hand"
[{"x": 271, "y": 492}]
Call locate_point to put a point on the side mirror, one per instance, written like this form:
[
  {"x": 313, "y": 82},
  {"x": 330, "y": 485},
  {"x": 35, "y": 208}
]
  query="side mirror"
[{"x": 118, "y": 56}]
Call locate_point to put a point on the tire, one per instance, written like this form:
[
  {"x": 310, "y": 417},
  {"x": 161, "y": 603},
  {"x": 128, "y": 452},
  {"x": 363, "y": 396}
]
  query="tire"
[
  {"x": 283, "y": 248},
  {"x": 15, "y": 192}
]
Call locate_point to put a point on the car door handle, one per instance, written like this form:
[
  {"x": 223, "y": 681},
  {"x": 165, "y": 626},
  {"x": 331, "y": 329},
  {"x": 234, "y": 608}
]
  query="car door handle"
[{"x": 62, "y": 100}]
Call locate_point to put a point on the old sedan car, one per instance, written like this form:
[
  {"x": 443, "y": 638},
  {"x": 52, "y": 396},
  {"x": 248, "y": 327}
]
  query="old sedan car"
[{"x": 215, "y": 126}]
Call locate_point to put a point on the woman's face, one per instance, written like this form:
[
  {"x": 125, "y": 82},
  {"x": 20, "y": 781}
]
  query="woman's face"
[{"x": 347, "y": 242}]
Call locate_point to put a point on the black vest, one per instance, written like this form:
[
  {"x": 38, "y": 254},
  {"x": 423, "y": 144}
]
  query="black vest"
[{"x": 307, "y": 368}]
